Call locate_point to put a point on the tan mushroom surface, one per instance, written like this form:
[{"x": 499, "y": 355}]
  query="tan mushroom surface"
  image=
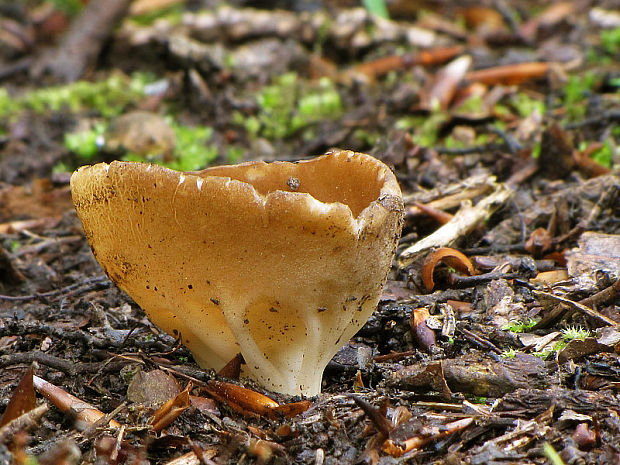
[{"x": 283, "y": 262}]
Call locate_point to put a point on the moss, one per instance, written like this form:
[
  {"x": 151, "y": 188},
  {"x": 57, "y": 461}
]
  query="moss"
[
  {"x": 190, "y": 153},
  {"x": 287, "y": 105},
  {"x": 108, "y": 97},
  {"x": 526, "y": 105}
]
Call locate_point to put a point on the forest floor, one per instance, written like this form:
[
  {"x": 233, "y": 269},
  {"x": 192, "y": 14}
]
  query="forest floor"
[{"x": 497, "y": 335}]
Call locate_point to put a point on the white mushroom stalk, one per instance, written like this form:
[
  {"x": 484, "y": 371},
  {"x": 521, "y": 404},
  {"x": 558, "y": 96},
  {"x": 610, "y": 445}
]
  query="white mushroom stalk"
[{"x": 283, "y": 262}]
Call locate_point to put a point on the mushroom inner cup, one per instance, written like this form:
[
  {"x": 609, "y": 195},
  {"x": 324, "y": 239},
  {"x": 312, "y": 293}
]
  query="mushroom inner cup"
[{"x": 327, "y": 179}]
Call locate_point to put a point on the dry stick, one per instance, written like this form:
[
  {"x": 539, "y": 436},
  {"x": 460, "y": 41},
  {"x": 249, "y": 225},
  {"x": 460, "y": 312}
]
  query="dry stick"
[
  {"x": 88, "y": 283},
  {"x": 479, "y": 340},
  {"x": 463, "y": 223},
  {"x": 603, "y": 296},
  {"x": 22, "y": 422},
  {"x": 579, "y": 306},
  {"x": 81, "y": 45},
  {"x": 65, "y": 366}
]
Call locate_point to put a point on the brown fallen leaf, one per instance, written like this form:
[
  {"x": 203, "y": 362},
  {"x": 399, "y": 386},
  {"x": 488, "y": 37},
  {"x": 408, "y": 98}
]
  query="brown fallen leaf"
[
  {"x": 539, "y": 242},
  {"x": 289, "y": 410},
  {"x": 398, "y": 449},
  {"x": 382, "y": 66},
  {"x": 441, "y": 90},
  {"x": 232, "y": 369},
  {"x": 424, "y": 336},
  {"x": 171, "y": 410},
  {"x": 240, "y": 399},
  {"x": 510, "y": 74},
  {"x": 450, "y": 257},
  {"x": 23, "y": 399},
  {"x": 550, "y": 16}
]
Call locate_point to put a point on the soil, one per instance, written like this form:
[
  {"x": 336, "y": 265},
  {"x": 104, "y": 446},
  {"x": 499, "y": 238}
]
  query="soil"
[{"x": 510, "y": 356}]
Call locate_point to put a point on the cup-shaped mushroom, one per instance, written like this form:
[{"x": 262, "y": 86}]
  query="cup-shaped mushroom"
[{"x": 283, "y": 262}]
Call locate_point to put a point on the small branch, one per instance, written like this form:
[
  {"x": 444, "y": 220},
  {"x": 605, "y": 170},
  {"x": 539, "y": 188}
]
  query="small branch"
[
  {"x": 87, "y": 284},
  {"x": 580, "y": 307},
  {"x": 463, "y": 223}
]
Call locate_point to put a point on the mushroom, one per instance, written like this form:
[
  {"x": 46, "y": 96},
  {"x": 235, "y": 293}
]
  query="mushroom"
[{"x": 281, "y": 261}]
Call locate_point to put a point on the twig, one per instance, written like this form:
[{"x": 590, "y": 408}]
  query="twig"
[
  {"x": 463, "y": 223},
  {"x": 600, "y": 119},
  {"x": 580, "y": 307},
  {"x": 511, "y": 142},
  {"x": 14, "y": 327},
  {"x": 82, "y": 44},
  {"x": 22, "y": 422},
  {"x": 66, "y": 366},
  {"x": 88, "y": 284},
  {"x": 479, "y": 340},
  {"x": 607, "y": 294}
]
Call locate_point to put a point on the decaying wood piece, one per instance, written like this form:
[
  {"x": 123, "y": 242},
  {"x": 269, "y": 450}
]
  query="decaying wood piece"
[
  {"x": 347, "y": 30},
  {"x": 83, "y": 42},
  {"x": 596, "y": 253},
  {"x": 535, "y": 401},
  {"x": 450, "y": 196},
  {"x": 481, "y": 378},
  {"x": 463, "y": 223}
]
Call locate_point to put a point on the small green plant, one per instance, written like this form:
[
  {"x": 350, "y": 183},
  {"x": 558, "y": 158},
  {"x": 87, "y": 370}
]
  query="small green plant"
[
  {"x": 544, "y": 354},
  {"x": 573, "y": 333},
  {"x": 610, "y": 40},
  {"x": 85, "y": 144},
  {"x": 234, "y": 154},
  {"x": 526, "y": 105},
  {"x": 192, "y": 152},
  {"x": 377, "y": 8},
  {"x": 518, "y": 326},
  {"x": 69, "y": 7},
  {"x": 605, "y": 155},
  {"x": 425, "y": 129},
  {"x": 510, "y": 353},
  {"x": 552, "y": 455},
  {"x": 575, "y": 92}
]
